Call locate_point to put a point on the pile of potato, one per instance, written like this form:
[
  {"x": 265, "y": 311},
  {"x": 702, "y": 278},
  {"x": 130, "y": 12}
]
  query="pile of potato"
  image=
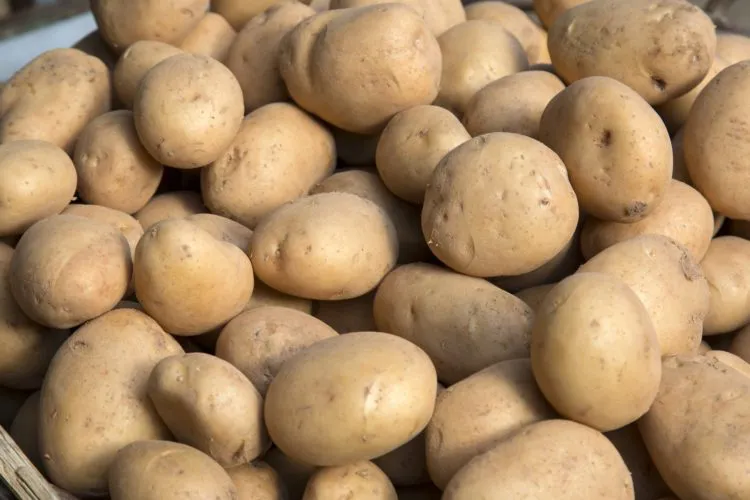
[{"x": 374, "y": 250}]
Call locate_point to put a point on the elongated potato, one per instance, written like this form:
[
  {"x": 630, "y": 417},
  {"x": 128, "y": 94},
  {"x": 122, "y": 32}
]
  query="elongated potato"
[
  {"x": 727, "y": 269},
  {"x": 356, "y": 480},
  {"x": 133, "y": 65},
  {"x": 212, "y": 37}
]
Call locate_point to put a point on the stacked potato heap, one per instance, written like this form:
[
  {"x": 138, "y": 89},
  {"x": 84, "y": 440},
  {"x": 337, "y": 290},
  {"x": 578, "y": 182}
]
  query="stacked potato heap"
[{"x": 243, "y": 248}]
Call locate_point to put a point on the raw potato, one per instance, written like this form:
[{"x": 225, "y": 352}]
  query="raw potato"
[
  {"x": 187, "y": 110},
  {"x": 346, "y": 316},
  {"x": 25, "y": 430},
  {"x": 133, "y": 65},
  {"x": 293, "y": 474},
  {"x": 223, "y": 229},
  {"x": 660, "y": 49},
  {"x": 730, "y": 360},
  {"x": 53, "y": 97},
  {"x": 499, "y": 205},
  {"x": 206, "y": 282},
  {"x": 464, "y": 324},
  {"x": 331, "y": 377},
  {"x": 514, "y": 103},
  {"x": 411, "y": 146},
  {"x": 329, "y": 246},
  {"x": 440, "y": 15},
  {"x": 594, "y": 351},
  {"x": 161, "y": 470},
  {"x": 172, "y": 205},
  {"x": 534, "y": 296},
  {"x": 356, "y": 68},
  {"x": 669, "y": 282},
  {"x": 740, "y": 345},
  {"x": 279, "y": 153},
  {"x": 647, "y": 482},
  {"x": 257, "y": 481},
  {"x": 360, "y": 480},
  {"x": 240, "y": 12},
  {"x": 260, "y": 340},
  {"x": 39, "y": 180},
  {"x": 67, "y": 270},
  {"x": 129, "y": 227},
  {"x": 549, "y": 10},
  {"x": 476, "y": 53},
  {"x": 727, "y": 269},
  {"x": 683, "y": 215},
  {"x": 475, "y": 414},
  {"x": 212, "y": 37},
  {"x": 585, "y": 465},
  {"x": 732, "y": 47},
  {"x": 94, "y": 398}
]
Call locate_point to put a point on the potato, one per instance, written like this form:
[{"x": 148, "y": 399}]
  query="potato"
[
  {"x": 514, "y": 103},
  {"x": 549, "y": 10},
  {"x": 161, "y": 470},
  {"x": 440, "y": 15},
  {"x": 172, "y": 205},
  {"x": 123, "y": 23},
  {"x": 133, "y": 65},
  {"x": 254, "y": 54},
  {"x": 293, "y": 474},
  {"x": 25, "y": 430},
  {"x": 534, "y": 296},
  {"x": 94, "y": 399},
  {"x": 740, "y": 345},
  {"x": 129, "y": 227},
  {"x": 209, "y": 404},
  {"x": 257, "y": 481},
  {"x": 660, "y": 50},
  {"x": 39, "y": 180},
  {"x": 53, "y": 97},
  {"x": 732, "y": 47},
  {"x": 279, "y": 153},
  {"x": 464, "y": 324},
  {"x": 683, "y": 215},
  {"x": 189, "y": 281},
  {"x": 476, "y": 53},
  {"x": 546, "y": 458},
  {"x": 727, "y": 269},
  {"x": 329, "y": 246},
  {"x": 114, "y": 170},
  {"x": 223, "y": 229},
  {"x": 499, "y": 205},
  {"x": 356, "y": 68},
  {"x": 346, "y": 316},
  {"x": 730, "y": 360},
  {"x": 647, "y": 482},
  {"x": 67, "y": 270},
  {"x": 605, "y": 153},
  {"x": 411, "y": 146},
  {"x": 260, "y": 340},
  {"x": 473, "y": 415},
  {"x": 332, "y": 376},
  {"x": 355, "y": 480},
  {"x": 240, "y": 12},
  {"x": 355, "y": 149},
  {"x": 209, "y": 100},
  {"x": 212, "y": 37}
]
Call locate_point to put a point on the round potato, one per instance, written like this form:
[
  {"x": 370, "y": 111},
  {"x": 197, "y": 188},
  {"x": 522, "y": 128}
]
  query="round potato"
[
  {"x": 356, "y": 480},
  {"x": 329, "y": 246},
  {"x": 212, "y": 37},
  {"x": 129, "y": 227},
  {"x": 411, "y": 146},
  {"x": 499, "y": 205},
  {"x": 25, "y": 429},
  {"x": 39, "y": 180},
  {"x": 726, "y": 266},
  {"x": 549, "y": 10},
  {"x": 94, "y": 399},
  {"x": 257, "y": 481},
  {"x": 209, "y": 100},
  {"x": 223, "y": 229},
  {"x": 534, "y": 296},
  {"x": 647, "y": 482},
  {"x": 740, "y": 345},
  {"x": 172, "y": 205},
  {"x": 347, "y": 377},
  {"x": 346, "y": 316},
  {"x": 293, "y": 474},
  {"x": 731, "y": 360},
  {"x": 133, "y": 65},
  {"x": 279, "y": 153},
  {"x": 440, "y": 15},
  {"x": 732, "y": 47}
]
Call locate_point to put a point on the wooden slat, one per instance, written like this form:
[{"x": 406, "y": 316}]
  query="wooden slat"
[{"x": 20, "y": 475}]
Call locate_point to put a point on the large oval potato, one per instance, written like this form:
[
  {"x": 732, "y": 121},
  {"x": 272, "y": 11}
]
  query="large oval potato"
[
  {"x": 172, "y": 205},
  {"x": 727, "y": 270},
  {"x": 133, "y": 65},
  {"x": 257, "y": 481},
  {"x": 360, "y": 480},
  {"x": 212, "y": 37}
]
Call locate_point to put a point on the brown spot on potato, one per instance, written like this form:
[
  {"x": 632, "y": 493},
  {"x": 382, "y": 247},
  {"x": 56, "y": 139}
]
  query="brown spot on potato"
[
  {"x": 635, "y": 209},
  {"x": 605, "y": 139}
]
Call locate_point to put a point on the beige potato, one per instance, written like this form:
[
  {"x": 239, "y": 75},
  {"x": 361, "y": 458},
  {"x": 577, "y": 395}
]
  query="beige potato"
[
  {"x": 172, "y": 205},
  {"x": 514, "y": 103},
  {"x": 161, "y": 470},
  {"x": 240, "y": 12},
  {"x": 207, "y": 103},
  {"x": 360, "y": 480},
  {"x": 346, "y": 316},
  {"x": 534, "y": 296},
  {"x": 727, "y": 269},
  {"x": 464, "y": 324},
  {"x": 476, "y": 53},
  {"x": 499, "y": 205},
  {"x": 133, "y": 65},
  {"x": 94, "y": 398},
  {"x": 647, "y": 482},
  {"x": 411, "y": 146},
  {"x": 279, "y": 153},
  {"x": 356, "y": 68},
  {"x": 129, "y": 227},
  {"x": 223, "y": 229},
  {"x": 53, "y": 97},
  {"x": 732, "y": 47},
  {"x": 740, "y": 345},
  {"x": 660, "y": 50},
  {"x": 549, "y": 457},
  {"x": 440, "y": 15},
  {"x": 332, "y": 376},
  {"x": 212, "y": 37},
  {"x": 731, "y": 360},
  {"x": 549, "y": 10},
  {"x": 25, "y": 429},
  {"x": 39, "y": 180},
  {"x": 257, "y": 481},
  {"x": 293, "y": 474}
]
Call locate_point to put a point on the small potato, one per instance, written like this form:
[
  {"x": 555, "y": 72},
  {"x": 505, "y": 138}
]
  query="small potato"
[
  {"x": 257, "y": 481},
  {"x": 464, "y": 324},
  {"x": 67, "y": 270},
  {"x": 240, "y": 12},
  {"x": 660, "y": 50},
  {"x": 411, "y": 146},
  {"x": 740, "y": 345},
  {"x": 647, "y": 482},
  {"x": 25, "y": 430},
  {"x": 294, "y": 474},
  {"x": 476, "y": 53},
  {"x": 329, "y": 246},
  {"x": 172, "y": 205},
  {"x": 223, "y": 229},
  {"x": 360, "y": 480},
  {"x": 547, "y": 457},
  {"x": 332, "y": 376},
  {"x": 209, "y": 100},
  {"x": 211, "y": 37},
  {"x": 534, "y": 296},
  {"x": 161, "y": 470},
  {"x": 39, "y": 180},
  {"x": 549, "y": 10},
  {"x": 732, "y": 47},
  {"x": 499, "y": 205},
  {"x": 279, "y": 153},
  {"x": 129, "y": 227},
  {"x": 260, "y": 340},
  {"x": 133, "y": 65},
  {"x": 514, "y": 103},
  {"x": 189, "y": 281},
  {"x": 730, "y": 360},
  {"x": 727, "y": 269},
  {"x": 53, "y": 97},
  {"x": 346, "y": 316}
]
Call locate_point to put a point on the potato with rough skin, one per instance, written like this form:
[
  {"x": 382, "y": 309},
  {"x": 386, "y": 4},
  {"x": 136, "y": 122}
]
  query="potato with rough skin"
[
  {"x": 223, "y": 229},
  {"x": 549, "y": 10},
  {"x": 727, "y": 269},
  {"x": 25, "y": 429},
  {"x": 499, "y": 205},
  {"x": 257, "y": 481},
  {"x": 39, "y": 180},
  {"x": 361, "y": 480},
  {"x": 605, "y": 152},
  {"x": 346, "y": 316},
  {"x": 171, "y": 205},
  {"x": 732, "y": 47},
  {"x": 534, "y": 296},
  {"x": 133, "y": 65},
  {"x": 440, "y": 15},
  {"x": 212, "y": 37}
]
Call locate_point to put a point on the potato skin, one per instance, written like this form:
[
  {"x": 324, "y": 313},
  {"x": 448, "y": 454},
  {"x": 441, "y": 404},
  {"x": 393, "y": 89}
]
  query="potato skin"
[
  {"x": 727, "y": 269},
  {"x": 729, "y": 359},
  {"x": 108, "y": 361},
  {"x": 212, "y": 37},
  {"x": 223, "y": 229},
  {"x": 172, "y": 205},
  {"x": 732, "y": 47},
  {"x": 129, "y": 227},
  {"x": 360, "y": 480},
  {"x": 332, "y": 376},
  {"x": 240, "y": 12},
  {"x": 133, "y": 65},
  {"x": 257, "y": 481},
  {"x": 549, "y": 10}
]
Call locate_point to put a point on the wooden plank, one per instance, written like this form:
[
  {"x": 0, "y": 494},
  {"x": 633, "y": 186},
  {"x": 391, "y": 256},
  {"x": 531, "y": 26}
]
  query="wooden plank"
[{"x": 20, "y": 475}]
